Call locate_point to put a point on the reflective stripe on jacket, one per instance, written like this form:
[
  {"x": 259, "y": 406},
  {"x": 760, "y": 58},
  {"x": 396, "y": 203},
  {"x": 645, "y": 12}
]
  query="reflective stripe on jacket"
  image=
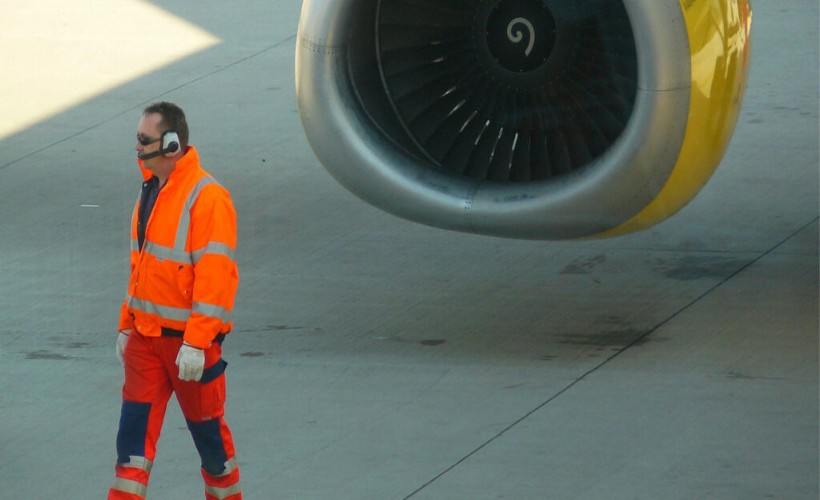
[{"x": 185, "y": 277}]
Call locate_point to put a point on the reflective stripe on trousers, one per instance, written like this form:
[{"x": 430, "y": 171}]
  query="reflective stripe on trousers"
[
  {"x": 230, "y": 493},
  {"x": 126, "y": 489},
  {"x": 224, "y": 486},
  {"x": 131, "y": 481}
]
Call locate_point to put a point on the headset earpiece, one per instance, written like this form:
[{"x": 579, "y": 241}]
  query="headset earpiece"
[
  {"x": 169, "y": 146},
  {"x": 170, "y": 143}
]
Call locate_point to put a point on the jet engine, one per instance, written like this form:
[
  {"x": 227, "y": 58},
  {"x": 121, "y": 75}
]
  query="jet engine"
[{"x": 533, "y": 119}]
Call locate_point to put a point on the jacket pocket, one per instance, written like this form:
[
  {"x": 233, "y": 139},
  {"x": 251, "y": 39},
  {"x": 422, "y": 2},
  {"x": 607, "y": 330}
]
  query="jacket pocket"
[
  {"x": 185, "y": 281},
  {"x": 212, "y": 390}
]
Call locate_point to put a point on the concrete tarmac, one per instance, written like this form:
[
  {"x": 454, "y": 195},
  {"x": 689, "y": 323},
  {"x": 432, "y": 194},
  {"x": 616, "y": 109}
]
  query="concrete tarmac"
[{"x": 374, "y": 358}]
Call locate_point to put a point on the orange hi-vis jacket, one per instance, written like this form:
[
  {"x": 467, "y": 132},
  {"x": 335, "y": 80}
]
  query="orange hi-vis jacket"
[{"x": 185, "y": 277}]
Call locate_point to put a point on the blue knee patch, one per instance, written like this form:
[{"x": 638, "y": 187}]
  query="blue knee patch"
[
  {"x": 208, "y": 442},
  {"x": 133, "y": 429}
]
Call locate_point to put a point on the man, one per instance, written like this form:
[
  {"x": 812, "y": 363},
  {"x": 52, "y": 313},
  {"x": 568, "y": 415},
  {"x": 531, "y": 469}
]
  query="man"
[{"x": 177, "y": 310}]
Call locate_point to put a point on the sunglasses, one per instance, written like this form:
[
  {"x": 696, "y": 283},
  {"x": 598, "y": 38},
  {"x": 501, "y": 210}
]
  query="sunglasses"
[{"x": 145, "y": 140}]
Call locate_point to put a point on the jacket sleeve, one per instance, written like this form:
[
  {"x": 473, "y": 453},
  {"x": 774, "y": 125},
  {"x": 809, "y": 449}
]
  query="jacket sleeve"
[{"x": 215, "y": 274}]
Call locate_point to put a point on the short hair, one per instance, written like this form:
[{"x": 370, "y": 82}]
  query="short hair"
[{"x": 173, "y": 118}]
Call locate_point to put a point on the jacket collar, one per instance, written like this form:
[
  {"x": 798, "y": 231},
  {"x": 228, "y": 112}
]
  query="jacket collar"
[{"x": 185, "y": 165}]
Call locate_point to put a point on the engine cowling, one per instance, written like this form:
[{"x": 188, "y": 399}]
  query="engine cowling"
[{"x": 537, "y": 119}]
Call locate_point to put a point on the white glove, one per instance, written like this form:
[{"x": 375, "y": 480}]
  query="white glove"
[
  {"x": 191, "y": 362},
  {"x": 122, "y": 341}
]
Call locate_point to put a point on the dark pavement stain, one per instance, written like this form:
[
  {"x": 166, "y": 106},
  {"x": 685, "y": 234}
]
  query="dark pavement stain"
[
  {"x": 584, "y": 266},
  {"x": 745, "y": 376},
  {"x": 78, "y": 345},
  {"x": 274, "y": 328},
  {"x": 252, "y": 354},
  {"x": 700, "y": 267},
  {"x": 432, "y": 342},
  {"x": 611, "y": 338},
  {"x": 515, "y": 386},
  {"x": 46, "y": 355}
]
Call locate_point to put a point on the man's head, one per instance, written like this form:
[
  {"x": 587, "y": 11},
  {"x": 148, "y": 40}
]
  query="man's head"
[{"x": 157, "y": 120}]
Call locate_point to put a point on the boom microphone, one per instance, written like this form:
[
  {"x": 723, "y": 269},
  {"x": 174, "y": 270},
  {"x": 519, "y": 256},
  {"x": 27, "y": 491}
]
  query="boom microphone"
[{"x": 148, "y": 156}]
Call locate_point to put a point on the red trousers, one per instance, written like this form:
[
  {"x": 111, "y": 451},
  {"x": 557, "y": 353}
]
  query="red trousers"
[{"x": 151, "y": 375}]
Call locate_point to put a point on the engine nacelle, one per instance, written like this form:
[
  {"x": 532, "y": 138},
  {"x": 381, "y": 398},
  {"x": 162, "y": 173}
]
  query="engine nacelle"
[{"x": 538, "y": 119}]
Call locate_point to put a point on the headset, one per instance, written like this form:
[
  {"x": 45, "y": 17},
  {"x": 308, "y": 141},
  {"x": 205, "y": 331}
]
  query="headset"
[{"x": 169, "y": 145}]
